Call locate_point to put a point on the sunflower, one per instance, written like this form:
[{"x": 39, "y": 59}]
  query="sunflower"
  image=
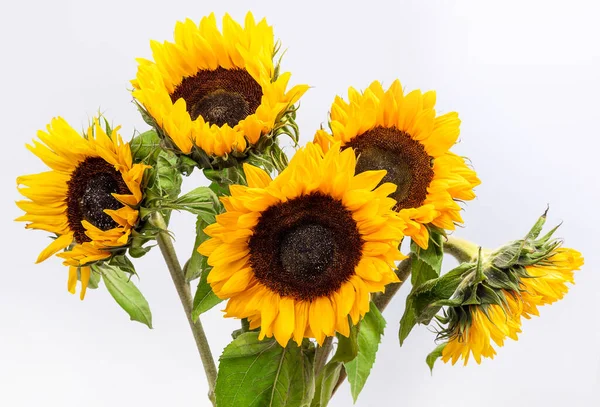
[
  {"x": 546, "y": 281},
  {"x": 402, "y": 134},
  {"x": 299, "y": 254},
  {"x": 88, "y": 197},
  {"x": 219, "y": 91},
  {"x": 486, "y": 324},
  {"x": 475, "y": 327}
]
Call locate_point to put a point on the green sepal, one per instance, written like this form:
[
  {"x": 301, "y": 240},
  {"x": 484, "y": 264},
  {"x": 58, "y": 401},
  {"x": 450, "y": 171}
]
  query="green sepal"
[
  {"x": 369, "y": 336},
  {"x": 256, "y": 373},
  {"x": 138, "y": 240},
  {"x": 125, "y": 293},
  {"x": 270, "y": 158},
  {"x": 164, "y": 179},
  {"x": 245, "y": 328},
  {"x": 435, "y": 355},
  {"x": 225, "y": 177},
  {"x": 499, "y": 279},
  {"x": 285, "y": 124},
  {"x": 161, "y": 183},
  {"x": 146, "y": 117},
  {"x": 535, "y": 231},
  {"x": 145, "y": 147}
]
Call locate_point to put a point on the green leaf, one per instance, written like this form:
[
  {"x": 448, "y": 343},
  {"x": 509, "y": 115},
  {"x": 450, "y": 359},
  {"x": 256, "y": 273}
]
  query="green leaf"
[
  {"x": 326, "y": 383},
  {"x": 197, "y": 266},
  {"x": 427, "y": 264},
  {"x": 425, "y": 300},
  {"x": 201, "y": 201},
  {"x": 408, "y": 320},
  {"x": 347, "y": 348},
  {"x": 126, "y": 294},
  {"x": 197, "y": 263},
  {"x": 205, "y": 298},
  {"x": 369, "y": 336},
  {"x": 145, "y": 147},
  {"x": 257, "y": 373},
  {"x": 433, "y": 356}
]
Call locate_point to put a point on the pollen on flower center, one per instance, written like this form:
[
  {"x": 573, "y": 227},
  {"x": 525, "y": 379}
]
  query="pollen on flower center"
[
  {"x": 90, "y": 192},
  {"x": 220, "y": 96},
  {"x": 407, "y": 163},
  {"x": 307, "y": 250},
  {"x": 306, "y": 247},
  {"x": 221, "y": 107}
]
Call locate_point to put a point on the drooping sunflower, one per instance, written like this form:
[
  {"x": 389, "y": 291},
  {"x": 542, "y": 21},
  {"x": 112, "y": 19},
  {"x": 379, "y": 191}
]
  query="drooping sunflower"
[
  {"x": 219, "y": 91},
  {"x": 481, "y": 326},
  {"x": 87, "y": 199},
  {"x": 475, "y": 327},
  {"x": 296, "y": 255},
  {"x": 546, "y": 281},
  {"x": 402, "y": 135}
]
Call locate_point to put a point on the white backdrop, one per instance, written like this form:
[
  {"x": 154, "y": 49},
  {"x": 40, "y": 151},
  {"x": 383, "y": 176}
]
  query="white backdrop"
[{"x": 524, "y": 76}]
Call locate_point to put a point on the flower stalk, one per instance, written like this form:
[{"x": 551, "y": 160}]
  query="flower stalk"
[
  {"x": 183, "y": 289},
  {"x": 462, "y": 250},
  {"x": 322, "y": 355},
  {"x": 381, "y": 301}
]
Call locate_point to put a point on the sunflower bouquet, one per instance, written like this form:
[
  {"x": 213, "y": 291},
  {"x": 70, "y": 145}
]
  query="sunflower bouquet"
[{"x": 307, "y": 251}]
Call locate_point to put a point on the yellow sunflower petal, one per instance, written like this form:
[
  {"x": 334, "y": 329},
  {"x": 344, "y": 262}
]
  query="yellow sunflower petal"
[
  {"x": 262, "y": 246},
  {"x": 79, "y": 163},
  {"x": 414, "y": 141},
  {"x": 205, "y": 67}
]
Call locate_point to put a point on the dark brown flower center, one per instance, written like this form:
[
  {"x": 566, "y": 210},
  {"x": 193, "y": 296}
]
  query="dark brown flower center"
[
  {"x": 306, "y": 247},
  {"x": 221, "y": 96},
  {"x": 90, "y": 192},
  {"x": 407, "y": 163}
]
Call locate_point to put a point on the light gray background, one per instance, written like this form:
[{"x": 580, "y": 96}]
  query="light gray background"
[{"x": 522, "y": 74}]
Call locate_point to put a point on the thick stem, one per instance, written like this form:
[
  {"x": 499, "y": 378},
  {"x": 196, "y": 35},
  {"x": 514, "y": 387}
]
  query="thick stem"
[
  {"x": 381, "y": 301},
  {"x": 185, "y": 295},
  {"x": 322, "y": 354},
  {"x": 403, "y": 272},
  {"x": 461, "y": 249}
]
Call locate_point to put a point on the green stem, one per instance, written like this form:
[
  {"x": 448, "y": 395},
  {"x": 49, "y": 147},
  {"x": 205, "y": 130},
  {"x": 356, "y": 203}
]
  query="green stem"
[
  {"x": 382, "y": 301},
  {"x": 322, "y": 354},
  {"x": 462, "y": 250},
  {"x": 185, "y": 295},
  {"x": 403, "y": 272}
]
